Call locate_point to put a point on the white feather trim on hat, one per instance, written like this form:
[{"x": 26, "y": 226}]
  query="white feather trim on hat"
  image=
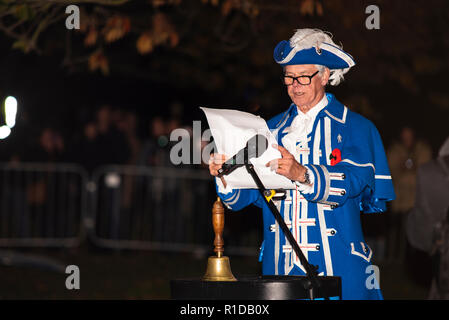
[
  {"x": 308, "y": 38},
  {"x": 444, "y": 150}
]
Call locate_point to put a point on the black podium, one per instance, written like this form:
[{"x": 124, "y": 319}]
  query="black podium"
[{"x": 253, "y": 288}]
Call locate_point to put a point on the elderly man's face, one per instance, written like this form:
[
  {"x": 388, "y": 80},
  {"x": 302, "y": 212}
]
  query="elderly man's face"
[{"x": 306, "y": 96}]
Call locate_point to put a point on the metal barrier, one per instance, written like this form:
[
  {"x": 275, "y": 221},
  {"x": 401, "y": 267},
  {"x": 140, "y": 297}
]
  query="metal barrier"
[
  {"x": 156, "y": 208},
  {"x": 42, "y": 205},
  {"x": 120, "y": 207}
]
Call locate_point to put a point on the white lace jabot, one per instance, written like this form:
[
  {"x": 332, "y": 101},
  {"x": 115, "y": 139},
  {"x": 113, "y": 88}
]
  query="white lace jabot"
[{"x": 301, "y": 126}]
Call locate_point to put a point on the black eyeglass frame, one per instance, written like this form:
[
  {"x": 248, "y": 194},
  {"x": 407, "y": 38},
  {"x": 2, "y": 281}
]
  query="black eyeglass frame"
[{"x": 297, "y": 79}]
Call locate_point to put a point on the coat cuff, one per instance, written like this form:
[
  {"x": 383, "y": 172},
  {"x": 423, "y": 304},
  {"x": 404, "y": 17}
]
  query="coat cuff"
[
  {"x": 220, "y": 187},
  {"x": 329, "y": 186}
]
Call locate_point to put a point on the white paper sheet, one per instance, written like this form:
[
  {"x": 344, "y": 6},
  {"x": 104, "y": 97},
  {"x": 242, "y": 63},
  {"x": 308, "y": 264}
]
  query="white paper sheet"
[{"x": 231, "y": 130}]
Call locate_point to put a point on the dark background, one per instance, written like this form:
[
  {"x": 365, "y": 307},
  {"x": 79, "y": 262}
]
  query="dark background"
[{"x": 400, "y": 74}]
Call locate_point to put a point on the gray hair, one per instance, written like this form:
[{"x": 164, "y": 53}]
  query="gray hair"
[{"x": 321, "y": 69}]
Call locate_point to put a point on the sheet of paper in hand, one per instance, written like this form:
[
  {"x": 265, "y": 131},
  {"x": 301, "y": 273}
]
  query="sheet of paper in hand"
[{"x": 231, "y": 130}]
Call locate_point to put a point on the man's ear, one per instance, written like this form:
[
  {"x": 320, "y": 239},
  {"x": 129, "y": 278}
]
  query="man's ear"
[{"x": 325, "y": 76}]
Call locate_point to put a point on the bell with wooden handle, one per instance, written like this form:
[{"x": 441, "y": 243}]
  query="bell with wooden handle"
[{"x": 218, "y": 266}]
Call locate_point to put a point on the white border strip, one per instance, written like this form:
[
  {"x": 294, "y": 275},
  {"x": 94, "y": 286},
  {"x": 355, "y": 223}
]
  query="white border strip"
[
  {"x": 384, "y": 177},
  {"x": 325, "y": 241},
  {"x": 339, "y": 53},
  {"x": 235, "y": 200},
  {"x": 369, "y": 164},
  {"x": 327, "y": 139}
]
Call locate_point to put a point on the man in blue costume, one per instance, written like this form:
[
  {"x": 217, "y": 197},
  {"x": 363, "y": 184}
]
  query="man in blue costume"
[{"x": 337, "y": 161}]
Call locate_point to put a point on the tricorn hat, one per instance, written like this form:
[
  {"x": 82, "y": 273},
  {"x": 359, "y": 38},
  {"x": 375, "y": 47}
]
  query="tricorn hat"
[{"x": 313, "y": 46}]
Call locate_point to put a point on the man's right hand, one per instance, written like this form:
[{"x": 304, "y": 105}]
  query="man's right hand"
[{"x": 216, "y": 160}]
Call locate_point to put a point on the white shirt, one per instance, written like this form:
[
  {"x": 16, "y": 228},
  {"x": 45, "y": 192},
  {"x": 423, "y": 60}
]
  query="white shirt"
[{"x": 300, "y": 127}]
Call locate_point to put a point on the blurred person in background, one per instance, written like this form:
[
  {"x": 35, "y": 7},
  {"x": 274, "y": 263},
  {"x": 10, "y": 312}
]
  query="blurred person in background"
[
  {"x": 50, "y": 147},
  {"x": 154, "y": 150},
  {"x": 40, "y": 189},
  {"x": 427, "y": 223},
  {"x": 127, "y": 124},
  {"x": 86, "y": 149},
  {"x": 104, "y": 141},
  {"x": 405, "y": 156},
  {"x": 113, "y": 147},
  {"x": 155, "y": 153}
]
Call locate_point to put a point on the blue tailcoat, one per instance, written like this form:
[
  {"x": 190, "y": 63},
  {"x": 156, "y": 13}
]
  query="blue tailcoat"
[{"x": 326, "y": 223}]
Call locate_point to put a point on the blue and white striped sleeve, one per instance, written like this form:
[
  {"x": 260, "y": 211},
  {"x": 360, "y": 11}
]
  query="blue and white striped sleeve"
[
  {"x": 237, "y": 199},
  {"x": 333, "y": 185},
  {"x": 363, "y": 171}
]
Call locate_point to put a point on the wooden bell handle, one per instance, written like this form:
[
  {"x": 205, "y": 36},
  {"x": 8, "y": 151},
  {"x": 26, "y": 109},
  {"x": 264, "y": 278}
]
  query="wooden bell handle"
[{"x": 218, "y": 224}]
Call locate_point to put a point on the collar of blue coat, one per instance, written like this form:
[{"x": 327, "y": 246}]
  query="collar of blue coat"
[
  {"x": 326, "y": 55},
  {"x": 334, "y": 109}
]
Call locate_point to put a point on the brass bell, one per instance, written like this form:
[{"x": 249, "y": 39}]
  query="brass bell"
[{"x": 218, "y": 266}]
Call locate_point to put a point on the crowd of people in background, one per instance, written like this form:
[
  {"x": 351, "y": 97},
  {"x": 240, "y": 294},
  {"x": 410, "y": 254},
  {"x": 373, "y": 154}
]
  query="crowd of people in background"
[{"x": 111, "y": 136}]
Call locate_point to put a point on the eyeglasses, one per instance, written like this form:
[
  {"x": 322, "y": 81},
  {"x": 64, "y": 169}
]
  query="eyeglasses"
[{"x": 303, "y": 80}]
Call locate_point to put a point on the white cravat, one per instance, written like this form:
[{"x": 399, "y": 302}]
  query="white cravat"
[{"x": 300, "y": 127}]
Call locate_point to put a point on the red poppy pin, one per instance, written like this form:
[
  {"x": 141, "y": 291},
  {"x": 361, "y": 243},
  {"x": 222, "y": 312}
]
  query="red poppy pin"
[{"x": 335, "y": 157}]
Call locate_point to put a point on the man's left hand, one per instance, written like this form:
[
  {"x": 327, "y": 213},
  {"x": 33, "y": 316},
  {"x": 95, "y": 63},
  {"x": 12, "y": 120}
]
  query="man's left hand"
[{"x": 287, "y": 165}]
